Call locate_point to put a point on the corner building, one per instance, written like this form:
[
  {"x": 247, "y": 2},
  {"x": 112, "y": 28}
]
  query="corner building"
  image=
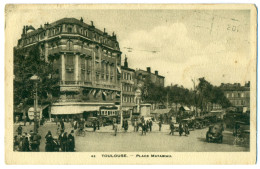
[{"x": 87, "y": 61}]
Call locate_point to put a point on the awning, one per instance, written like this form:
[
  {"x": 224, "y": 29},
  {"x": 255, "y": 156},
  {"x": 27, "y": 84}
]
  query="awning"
[{"x": 76, "y": 109}]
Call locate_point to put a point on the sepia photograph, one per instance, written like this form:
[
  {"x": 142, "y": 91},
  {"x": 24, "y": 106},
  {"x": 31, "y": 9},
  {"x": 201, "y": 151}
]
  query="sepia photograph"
[{"x": 130, "y": 82}]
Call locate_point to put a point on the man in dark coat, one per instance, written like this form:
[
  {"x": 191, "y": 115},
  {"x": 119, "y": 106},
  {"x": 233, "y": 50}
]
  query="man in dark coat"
[
  {"x": 49, "y": 142},
  {"x": 71, "y": 141},
  {"x": 172, "y": 129},
  {"x": 19, "y": 130},
  {"x": 147, "y": 125},
  {"x": 150, "y": 125},
  {"x": 62, "y": 124},
  {"x": 94, "y": 126},
  {"x": 63, "y": 141},
  {"x": 160, "y": 125},
  {"x": 180, "y": 129},
  {"x": 143, "y": 128},
  {"x": 98, "y": 124},
  {"x": 25, "y": 144},
  {"x": 125, "y": 125}
]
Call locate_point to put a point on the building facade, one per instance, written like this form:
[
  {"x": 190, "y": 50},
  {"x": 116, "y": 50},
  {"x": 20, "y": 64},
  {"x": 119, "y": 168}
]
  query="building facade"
[
  {"x": 87, "y": 61},
  {"x": 238, "y": 95},
  {"x": 128, "y": 89},
  {"x": 142, "y": 75}
]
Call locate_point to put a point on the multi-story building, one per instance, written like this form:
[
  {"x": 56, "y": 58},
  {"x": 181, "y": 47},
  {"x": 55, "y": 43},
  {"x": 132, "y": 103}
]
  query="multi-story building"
[
  {"x": 155, "y": 78},
  {"x": 128, "y": 89},
  {"x": 143, "y": 76},
  {"x": 238, "y": 95},
  {"x": 87, "y": 61}
]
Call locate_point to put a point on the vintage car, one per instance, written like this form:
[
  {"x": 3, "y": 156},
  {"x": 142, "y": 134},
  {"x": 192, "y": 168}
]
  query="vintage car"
[
  {"x": 214, "y": 134},
  {"x": 240, "y": 127},
  {"x": 199, "y": 123},
  {"x": 190, "y": 123}
]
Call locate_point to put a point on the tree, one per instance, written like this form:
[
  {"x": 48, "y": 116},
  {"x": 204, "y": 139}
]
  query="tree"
[
  {"x": 210, "y": 93},
  {"x": 29, "y": 62}
]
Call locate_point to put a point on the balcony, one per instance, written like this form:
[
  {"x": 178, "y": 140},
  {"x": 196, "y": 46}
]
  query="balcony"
[{"x": 89, "y": 84}]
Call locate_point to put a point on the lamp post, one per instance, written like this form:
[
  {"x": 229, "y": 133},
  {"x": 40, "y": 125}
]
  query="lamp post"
[{"x": 35, "y": 79}]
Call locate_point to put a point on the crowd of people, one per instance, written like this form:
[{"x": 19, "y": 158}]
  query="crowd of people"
[
  {"x": 24, "y": 141},
  {"x": 65, "y": 142}
]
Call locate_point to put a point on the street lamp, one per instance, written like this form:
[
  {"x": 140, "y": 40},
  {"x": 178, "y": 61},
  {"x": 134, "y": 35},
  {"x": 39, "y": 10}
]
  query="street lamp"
[{"x": 35, "y": 79}]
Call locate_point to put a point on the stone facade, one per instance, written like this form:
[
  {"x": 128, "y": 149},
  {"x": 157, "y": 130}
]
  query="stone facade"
[
  {"x": 87, "y": 62},
  {"x": 238, "y": 95},
  {"x": 128, "y": 89}
]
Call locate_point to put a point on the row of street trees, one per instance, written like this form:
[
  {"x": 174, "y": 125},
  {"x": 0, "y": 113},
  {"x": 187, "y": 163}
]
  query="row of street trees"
[{"x": 199, "y": 96}]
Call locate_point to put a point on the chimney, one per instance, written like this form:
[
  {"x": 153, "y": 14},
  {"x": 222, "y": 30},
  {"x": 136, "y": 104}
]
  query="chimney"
[
  {"x": 81, "y": 19},
  {"x": 148, "y": 69},
  {"x": 92, "y": 23},
  {"x": 126, "y": 63},
  {"x": 104, "y": 30},
  {"x": 156, "y": 72}
]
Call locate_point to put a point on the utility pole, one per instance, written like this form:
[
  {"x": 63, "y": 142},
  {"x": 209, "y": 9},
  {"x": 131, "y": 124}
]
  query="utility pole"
[{"x": 195, "y": 101}]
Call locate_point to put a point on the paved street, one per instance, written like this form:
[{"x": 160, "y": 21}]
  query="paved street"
[{"x": 103, "y": 140}]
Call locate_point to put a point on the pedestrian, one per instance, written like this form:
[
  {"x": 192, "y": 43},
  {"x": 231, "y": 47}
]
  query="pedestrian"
[
  {"x": 62, "y": 124},
  {"x": 144, "y": 128},
  {"x": 98, "y": 124},
  {"x": 160, "y": 125},
  {"x": 147, "y": 125},
  {"x": 49, "y": 142},
  {"x": 115, "y": 128},
  {"x": 19, "y": 130},
  {"x": 172, "y": 129},
  {"x": 75, "y": 124},
  {"x": 24, "y": 119},
  {"x": 135, "y": 125},
  {"x": 71, "y": 141},
  {"x": 125, "y": 125},
  {"x": 16, "y": 143},
  {"x": 180, "y": 129},
  {"x": 63, "y": 141},
  {"x": 150, "y": 125},
  {"x": 37, "y": 140},
  {"x": 94, "y": 126},
  {"x": 25, "y": 143},
  {"x": 186, "y": 129},
  {"x": 56, "y": 120}
]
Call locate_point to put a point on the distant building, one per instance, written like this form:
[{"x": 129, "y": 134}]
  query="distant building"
[
  {"x": 86, "y": 60},
  {"x": 142, "y": 75},
  {"x": 238, "y": 95},
  {"x": 128, "y": 89}
]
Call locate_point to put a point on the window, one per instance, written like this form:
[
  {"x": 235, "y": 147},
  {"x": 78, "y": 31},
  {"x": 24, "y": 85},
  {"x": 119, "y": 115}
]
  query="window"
[
  {"x": 242, "y": 95},
  {"x": 227, "y": 95},
  {"x": 69, "y": 30}
]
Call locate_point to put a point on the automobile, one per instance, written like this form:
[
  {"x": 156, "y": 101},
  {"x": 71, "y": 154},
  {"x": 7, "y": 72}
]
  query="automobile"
[
  {"x": 199, "y": 123},
  {"x": 90, "y": 120},
  {"x": 240, "y": 127},
  {"x": 214, "y": 134},
  {"x": 190, "y": 123}
]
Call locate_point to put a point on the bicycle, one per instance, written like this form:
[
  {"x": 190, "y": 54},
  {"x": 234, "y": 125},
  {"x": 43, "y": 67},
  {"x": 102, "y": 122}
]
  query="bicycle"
[{"x": 80, "y": 132}]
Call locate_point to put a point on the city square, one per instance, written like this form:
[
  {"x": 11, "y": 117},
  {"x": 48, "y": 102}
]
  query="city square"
[{"x": 81, "y": 87}]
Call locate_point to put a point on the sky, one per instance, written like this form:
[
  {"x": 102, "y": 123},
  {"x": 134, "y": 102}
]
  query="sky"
[{"x": 180, "y": 44}]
